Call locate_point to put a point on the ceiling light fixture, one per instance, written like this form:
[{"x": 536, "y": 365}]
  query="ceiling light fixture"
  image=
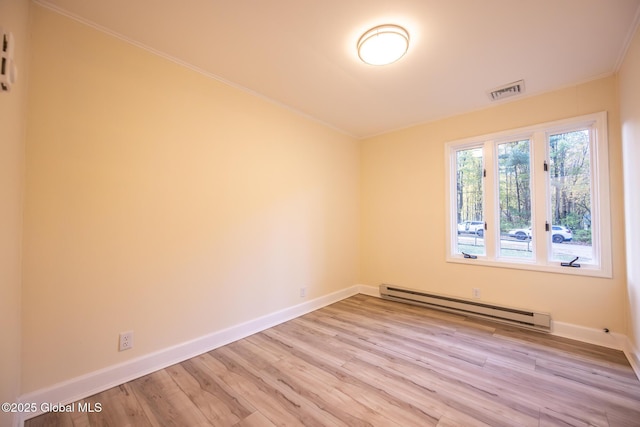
[{"x": 383, "y": 45}]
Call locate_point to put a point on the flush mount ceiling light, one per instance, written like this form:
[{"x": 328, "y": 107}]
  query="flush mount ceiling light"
[{"x": 383, "y": 45}]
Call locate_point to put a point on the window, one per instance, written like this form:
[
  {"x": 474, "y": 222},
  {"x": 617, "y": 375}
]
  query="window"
[
  {"x": 534, "y": 198},
  {"x": 514, "y": 197},
  {"x": 469, "y": 200}
]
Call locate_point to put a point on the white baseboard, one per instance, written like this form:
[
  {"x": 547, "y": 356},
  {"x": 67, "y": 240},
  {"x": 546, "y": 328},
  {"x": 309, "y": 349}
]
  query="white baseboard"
[
  {"x": 633, "y": 354},
  {"x": 372, "y": 291},
  {"x": 95, "y": 382},
  {"x": 599, "y": 337},
  {"x": 589, "y": 335}
]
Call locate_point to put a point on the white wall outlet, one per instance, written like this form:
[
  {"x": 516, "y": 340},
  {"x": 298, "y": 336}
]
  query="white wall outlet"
[
  {"x": 303, "y": 292},
  {"x": 126, "y": 340},
  {"x": 476, "y": 293}
]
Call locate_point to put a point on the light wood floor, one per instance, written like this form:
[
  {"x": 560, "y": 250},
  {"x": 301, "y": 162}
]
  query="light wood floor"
[{"x": 370, "y": 362}]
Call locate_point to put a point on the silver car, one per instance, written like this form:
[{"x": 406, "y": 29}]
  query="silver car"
[
  {"x": 559, "y": 234},
  {"x": 471, "y": 227}
]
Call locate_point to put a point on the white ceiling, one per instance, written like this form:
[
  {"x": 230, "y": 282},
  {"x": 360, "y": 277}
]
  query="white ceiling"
[{"x": 301, "y": 53}]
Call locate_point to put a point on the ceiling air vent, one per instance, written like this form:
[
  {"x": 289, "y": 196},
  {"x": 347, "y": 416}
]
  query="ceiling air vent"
[{"x": 511, "y": 89}]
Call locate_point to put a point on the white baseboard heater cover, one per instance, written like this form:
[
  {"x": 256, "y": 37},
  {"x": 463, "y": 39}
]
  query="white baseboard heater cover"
[{"x": 511, "y": 316}]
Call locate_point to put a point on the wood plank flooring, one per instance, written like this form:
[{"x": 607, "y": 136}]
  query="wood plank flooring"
[{"x": 370, "y": 362}]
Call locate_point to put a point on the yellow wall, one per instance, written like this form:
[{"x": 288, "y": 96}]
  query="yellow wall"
[
  {"x": 14, "y": 18},
  {"x": 161, "y": 201},
  {"x": 630, "y": 118},
  {"x": 403, "y": 213}
]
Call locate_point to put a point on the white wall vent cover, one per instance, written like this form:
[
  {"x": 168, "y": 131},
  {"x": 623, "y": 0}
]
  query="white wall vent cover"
[{"x": 511, "y": 89}]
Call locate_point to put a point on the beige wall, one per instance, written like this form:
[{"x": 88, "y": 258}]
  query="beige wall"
[
  {"x": 14, "y": 18},
  {"x": 161, "y": 201},
  {"x": 403, "y": 215},
  {"x": 629, "y": 79}
]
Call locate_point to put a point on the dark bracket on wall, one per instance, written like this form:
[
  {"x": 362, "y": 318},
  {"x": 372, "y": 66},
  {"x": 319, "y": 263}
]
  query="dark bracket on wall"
[
  {"x": 571, "y": 264},
  {"x": 466, "y": 255}
]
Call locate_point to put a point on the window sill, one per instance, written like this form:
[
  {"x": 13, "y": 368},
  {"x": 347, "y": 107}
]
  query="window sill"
[{"x": 584, "y": 270}]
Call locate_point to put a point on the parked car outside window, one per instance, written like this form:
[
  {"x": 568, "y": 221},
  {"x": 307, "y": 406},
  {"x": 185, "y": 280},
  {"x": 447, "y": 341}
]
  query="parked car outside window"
[
  {"x": 471, "y": 227},
  {"x": 559, "y": 234},
  {"x": 520, "y": 233}
]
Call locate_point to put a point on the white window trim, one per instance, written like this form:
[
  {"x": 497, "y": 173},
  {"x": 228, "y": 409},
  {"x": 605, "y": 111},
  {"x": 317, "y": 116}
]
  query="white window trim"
[{"x": 540, "y": 212}]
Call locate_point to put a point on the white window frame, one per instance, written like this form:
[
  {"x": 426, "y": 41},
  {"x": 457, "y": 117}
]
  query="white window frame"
[{"x": 540, "y": 191}]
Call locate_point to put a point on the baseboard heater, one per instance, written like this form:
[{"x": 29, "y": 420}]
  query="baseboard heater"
[{"x": 511, "y": 316}]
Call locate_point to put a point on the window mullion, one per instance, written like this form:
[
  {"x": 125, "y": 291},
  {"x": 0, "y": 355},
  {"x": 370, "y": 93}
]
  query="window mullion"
[
  {"x": 491, "y": 195},
  {"x": 540, "y": 190}
]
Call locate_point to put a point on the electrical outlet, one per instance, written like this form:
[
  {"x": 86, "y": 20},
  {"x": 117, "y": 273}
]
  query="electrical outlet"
[
  {"x": 303, "y": 292},
  {"x": 476, "y": 293},
  {"x": 126, "y": 340}
]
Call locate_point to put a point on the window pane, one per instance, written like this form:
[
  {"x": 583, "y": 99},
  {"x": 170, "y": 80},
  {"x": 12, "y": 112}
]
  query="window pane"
[
  {"x": 570, "y": 179},
  {"x": 514, "y": 189},
  {"x": 469, "y": 210}
]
